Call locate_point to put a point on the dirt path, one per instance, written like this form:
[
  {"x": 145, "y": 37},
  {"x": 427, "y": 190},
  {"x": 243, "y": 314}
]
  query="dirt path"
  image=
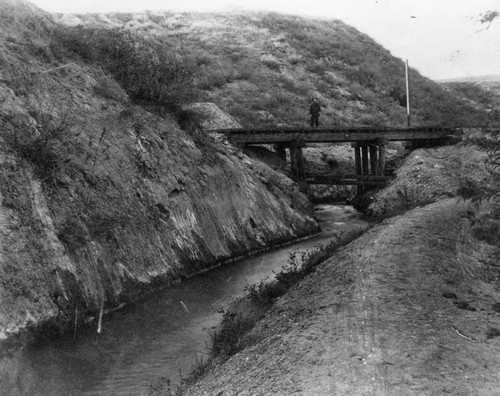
[{"x": 405, "y": 310}]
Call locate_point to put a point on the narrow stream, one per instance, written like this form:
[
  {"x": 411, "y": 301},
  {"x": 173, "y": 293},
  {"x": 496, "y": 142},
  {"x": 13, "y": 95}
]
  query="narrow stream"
[{"x": 155, "y": 337}]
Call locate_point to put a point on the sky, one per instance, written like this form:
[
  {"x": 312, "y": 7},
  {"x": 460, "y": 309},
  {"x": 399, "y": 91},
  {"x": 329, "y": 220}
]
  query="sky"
[{"x": 440, "y": 38}]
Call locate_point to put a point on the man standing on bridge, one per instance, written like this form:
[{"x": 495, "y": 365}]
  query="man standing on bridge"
[{"x": 314, "y": 111}]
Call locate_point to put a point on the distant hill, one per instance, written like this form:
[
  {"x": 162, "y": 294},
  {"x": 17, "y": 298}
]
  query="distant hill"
[
  {"x": 264, "y": 68},
  {"x": 481, "y": 92},
  {"x": 486, "y": 78}
]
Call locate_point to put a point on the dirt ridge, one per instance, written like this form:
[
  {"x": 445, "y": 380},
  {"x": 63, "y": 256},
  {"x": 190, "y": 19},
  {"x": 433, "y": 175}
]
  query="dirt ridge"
[{"x": 375, "y": 319}]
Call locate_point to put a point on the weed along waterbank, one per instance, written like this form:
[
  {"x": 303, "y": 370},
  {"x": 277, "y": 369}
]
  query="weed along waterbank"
[{"x": 228, "y": 338}]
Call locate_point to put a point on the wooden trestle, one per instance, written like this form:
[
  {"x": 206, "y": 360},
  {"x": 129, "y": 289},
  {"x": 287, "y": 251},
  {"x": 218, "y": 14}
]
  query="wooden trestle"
[
  {"x": 369, "y": 159},
  {"x": 369, "y": 146}
]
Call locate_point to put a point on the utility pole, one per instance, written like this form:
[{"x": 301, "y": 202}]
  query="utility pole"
[{"x": 407, "y": 94}]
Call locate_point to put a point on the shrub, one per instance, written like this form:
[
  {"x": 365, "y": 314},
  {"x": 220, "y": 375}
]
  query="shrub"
[
  {"x": 147, "y": 70},
  {"x": 245, "y": 71},
  {"x": 109, "y": 89},
  {"x": 216, "y": 78},
  {"x": 48, "y": 145},
  {"x": 295, "y": 59},
  {"x": 226, "y": 341},
  {"x": 271, "y": 62},
  {"x": 486, "y": 225},
  {"x": 489, "y": 141}
]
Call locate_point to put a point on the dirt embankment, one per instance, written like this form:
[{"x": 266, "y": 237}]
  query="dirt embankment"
[
  {"x": 407, "y": 309},
  {"x": 410, "y": 308},
  {"x": 101, "y": 200},
  {"x": 134, "y": 210},
  {"x": 428, "y": 175}
]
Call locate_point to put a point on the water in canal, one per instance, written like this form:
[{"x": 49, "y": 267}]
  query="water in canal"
[{"x": 159, "y": 336}]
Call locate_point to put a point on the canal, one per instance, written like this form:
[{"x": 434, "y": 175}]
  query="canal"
[{"x": 159, "y": 336}]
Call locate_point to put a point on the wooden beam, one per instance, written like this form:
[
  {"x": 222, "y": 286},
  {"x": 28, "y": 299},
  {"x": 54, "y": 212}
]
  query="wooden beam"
[
  {"x": 328, "y": 180},
  {"x": 357, "y": 158},
  {"x": 364, "y": 159},
  {"x": 373, "y": 159},
  {"x": 338, "y": 135},
  {"x": 280, "y": 150},
  {"x": 349, "y": 176},
  {"x": 381, "y": 160},
  {"x": 297, "y": 163},
  {"x": 357, "y": 163}
]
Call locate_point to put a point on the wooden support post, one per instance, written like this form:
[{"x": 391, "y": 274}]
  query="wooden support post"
[
  {"x": 298, "y": 166},
  {"x": 280, "y": 150},
  {"x": 381, "y": 158},
  {"x": 373, "y": 159},
  {"x": 357, "y": 163},
  {"x": 357, "y": 158},
  {"x": 364, "y": 159}
]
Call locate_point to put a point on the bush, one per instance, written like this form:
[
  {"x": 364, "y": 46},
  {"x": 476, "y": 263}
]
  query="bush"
[
  {"x": 217, "y": 78},
  {"x": 146, "y": 69},
  {"x": 109, "y": 89},
  {"x": 47, "y": 146},
  {"x": 226, "y": 341},
  {"x": 271, "y": 62},
  {"x": 485, "y": 225}
]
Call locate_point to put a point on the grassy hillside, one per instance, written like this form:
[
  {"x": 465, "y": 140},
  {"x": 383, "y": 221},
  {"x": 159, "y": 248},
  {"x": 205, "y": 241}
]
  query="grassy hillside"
[
  {"x": 264, "y": 68},
  {"x": 481, "y": 93},
  {"x": 102, "y": 201}
]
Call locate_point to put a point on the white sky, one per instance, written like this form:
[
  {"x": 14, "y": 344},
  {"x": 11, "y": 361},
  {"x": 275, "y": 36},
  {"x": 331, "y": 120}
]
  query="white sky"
[{"x": 441, "y": 38}]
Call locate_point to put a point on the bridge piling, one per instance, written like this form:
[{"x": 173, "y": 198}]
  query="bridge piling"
[
  {"x": 357, "y": 157},
  {"x": 381, "y": 157},
  {"x": 298, "y": 165},
  {"x": 280, "y": 150},
  {"x": 369, "y": 160},
  {"x": 373, "y": 159},
  {"x": 364, "y": 159}
]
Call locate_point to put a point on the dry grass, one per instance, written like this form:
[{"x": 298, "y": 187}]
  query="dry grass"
[{"x": 287, "y": 60}]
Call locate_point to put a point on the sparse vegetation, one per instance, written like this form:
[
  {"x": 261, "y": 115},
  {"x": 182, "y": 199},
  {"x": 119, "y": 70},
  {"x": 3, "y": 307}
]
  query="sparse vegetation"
[
  {"x": 484, "y": 211},
  {"x": 237, "y": 61},
  {"x": 149, "y": 72},
  {"x": 49, "y": 145},
  {"x": 228, "y": 338}
]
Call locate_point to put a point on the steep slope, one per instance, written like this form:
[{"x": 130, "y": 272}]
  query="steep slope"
[
  {"x": 101, "y": 201},
  {"x": 263, "y": 69}
]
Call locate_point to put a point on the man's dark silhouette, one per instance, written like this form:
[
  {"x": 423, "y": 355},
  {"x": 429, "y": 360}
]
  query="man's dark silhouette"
[{"x": 314, "y": 111}]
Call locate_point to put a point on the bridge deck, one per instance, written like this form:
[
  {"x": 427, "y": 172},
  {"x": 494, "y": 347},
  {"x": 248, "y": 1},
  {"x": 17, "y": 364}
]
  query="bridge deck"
[{"x": 336, "y": 135}]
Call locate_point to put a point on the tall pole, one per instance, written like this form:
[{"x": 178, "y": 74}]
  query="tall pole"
[{"x": 407, "y": 94}]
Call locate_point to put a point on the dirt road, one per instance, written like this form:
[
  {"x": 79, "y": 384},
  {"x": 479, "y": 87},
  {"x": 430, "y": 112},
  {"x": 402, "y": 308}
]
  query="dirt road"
[{"x": 407, "y": 309}]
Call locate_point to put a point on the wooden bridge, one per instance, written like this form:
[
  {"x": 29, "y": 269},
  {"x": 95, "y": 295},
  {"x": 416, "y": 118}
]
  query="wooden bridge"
[{"x": 369, "y": 144}]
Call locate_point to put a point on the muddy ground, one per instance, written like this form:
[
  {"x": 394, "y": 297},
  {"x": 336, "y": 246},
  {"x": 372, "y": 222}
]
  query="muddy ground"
[{"x": 410, "y": 308}]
